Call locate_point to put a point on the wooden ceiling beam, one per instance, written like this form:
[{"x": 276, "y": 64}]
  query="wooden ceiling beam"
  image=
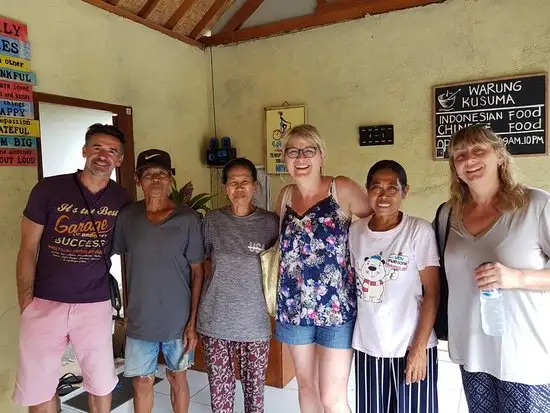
[
  {"x": 179, "y": 13},
  {"x": 326, "y": 6},
  {"x": 113, "y": 2},
  {"x": 242, "y": 15},
  {"x": 147, "y": 8},
  {"x": 126, "y": 14},
  {"x": 201, "y": 25},
  {"x": 346, "y": 10}
]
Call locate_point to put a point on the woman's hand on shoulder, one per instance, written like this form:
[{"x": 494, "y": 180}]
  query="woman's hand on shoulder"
[{"x": 352, "y": 197}]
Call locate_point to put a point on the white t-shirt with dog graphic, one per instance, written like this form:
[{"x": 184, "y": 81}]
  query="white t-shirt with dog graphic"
[{"x": 389, "y": 289}]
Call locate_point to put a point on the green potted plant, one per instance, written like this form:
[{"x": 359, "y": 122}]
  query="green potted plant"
[{"x": 184, "y": 195}]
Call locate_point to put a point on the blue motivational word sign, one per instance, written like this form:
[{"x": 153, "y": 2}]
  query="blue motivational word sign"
[
  {"x": 15, "y": 48},
  {"x": 18, "y": 142},
  {"x": 17, "y": 76},
  {"x": 17, "y": 109}
]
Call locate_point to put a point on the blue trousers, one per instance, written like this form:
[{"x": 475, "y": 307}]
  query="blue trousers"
[
  {"x": 487, "y": 394},
  {"x": 381, "y": 385}
]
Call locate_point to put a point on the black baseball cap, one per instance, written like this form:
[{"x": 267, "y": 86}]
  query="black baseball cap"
[{"x": 154, "y": 158}]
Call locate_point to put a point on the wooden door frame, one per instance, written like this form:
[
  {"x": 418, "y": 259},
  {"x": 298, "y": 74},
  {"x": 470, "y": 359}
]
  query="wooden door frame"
[{"x": 124, "y": 121}]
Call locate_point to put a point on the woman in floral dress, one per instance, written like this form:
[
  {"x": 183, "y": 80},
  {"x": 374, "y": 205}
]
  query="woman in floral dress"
[{"x": 316, "y": 303}]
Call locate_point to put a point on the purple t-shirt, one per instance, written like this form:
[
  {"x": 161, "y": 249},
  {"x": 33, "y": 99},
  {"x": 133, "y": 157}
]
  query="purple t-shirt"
[{"x": 70, "y": 267}]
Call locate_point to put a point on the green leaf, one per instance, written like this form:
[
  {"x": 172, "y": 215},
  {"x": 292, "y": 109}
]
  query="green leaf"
[
  {"x": 199, "y": 199},
  {"x": 184, "y": 195},
  {"x": 200, "y": 204}
]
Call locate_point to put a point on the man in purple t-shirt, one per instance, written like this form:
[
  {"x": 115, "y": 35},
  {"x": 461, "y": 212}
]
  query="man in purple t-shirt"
[{"x": 62, "y": 277}]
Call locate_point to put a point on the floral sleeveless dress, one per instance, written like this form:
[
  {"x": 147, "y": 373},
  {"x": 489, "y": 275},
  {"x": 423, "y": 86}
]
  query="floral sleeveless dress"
[{"x": 317, "y": 284}]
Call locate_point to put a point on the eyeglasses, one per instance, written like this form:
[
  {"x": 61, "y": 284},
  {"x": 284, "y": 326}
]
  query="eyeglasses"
[{"x": 308, "y": 152}]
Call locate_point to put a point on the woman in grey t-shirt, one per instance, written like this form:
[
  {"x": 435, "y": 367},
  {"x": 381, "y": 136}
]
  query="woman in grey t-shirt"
[{"x": 233, "y": 316}]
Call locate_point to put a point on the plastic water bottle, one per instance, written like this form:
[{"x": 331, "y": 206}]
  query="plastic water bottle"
[{"x": 492, "y": 312}]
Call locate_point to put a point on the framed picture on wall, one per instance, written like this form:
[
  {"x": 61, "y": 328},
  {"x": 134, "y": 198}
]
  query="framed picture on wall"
[{"x": 279, "y": 120}]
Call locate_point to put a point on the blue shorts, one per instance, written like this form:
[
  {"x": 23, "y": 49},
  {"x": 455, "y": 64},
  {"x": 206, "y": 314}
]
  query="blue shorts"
[
  {"x": 332, "y": 337},
  {"x": 141, "y": 356}
]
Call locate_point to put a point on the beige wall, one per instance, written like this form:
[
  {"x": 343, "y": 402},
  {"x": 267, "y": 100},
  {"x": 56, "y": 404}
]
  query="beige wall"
[
  {"x": 380, "y": 70},
  {"x": 376, "y": 70},
  {"x": 81, "y": 51}
]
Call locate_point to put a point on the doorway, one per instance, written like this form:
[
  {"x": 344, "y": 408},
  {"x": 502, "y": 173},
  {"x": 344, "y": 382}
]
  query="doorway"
[{"x": 63, "y": 125}]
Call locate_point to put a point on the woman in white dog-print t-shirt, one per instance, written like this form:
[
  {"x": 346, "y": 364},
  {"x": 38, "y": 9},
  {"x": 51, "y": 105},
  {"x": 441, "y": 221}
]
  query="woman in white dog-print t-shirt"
[{"x": 397, "y": 275}]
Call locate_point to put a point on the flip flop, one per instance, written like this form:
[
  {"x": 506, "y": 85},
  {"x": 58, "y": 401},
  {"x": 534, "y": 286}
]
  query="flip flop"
[
  {"x": 70, "y": 378},
  {"x": 64, "y": 389}
]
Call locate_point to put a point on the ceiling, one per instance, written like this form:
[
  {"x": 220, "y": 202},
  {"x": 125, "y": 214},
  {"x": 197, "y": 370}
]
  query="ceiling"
[{"x": 215, "y": 22}]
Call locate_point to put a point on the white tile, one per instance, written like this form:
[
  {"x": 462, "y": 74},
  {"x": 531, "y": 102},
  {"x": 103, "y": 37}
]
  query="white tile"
[
  {"x": 443, "y": 345},
  {"x": 281, "y": 400},
  {"x": 203, "y": 397},
  {"x": 162, "y": 387},
  {"x": 449, "y": 401},
  {"x": 69, "y": 410},
  {"x": 162, "y": 404},
  {"x": 463, "y": 406},
  {"x": 292, "y": 384},
  {"x": 196, "y": 380},
  {"x": 161, "y": 371},
  {"x": 449, "y": 377},
  {"x": 443, "y": 355},
  {"x": 199, "y": 408}
]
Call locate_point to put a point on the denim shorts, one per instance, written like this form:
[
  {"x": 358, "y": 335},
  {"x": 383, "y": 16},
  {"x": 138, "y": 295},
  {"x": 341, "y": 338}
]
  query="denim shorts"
[
  {"x": 141, "y": 356},
  {"x": 332, "y": 337}
]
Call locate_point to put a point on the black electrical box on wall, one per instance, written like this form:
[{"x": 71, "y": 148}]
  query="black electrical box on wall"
[
  {"x": 216, "y": 156},
  {"x": 375, "y": 135}
]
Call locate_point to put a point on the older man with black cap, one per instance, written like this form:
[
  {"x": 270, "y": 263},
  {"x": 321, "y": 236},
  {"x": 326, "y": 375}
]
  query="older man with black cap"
[{"x": 163, "y": 246}]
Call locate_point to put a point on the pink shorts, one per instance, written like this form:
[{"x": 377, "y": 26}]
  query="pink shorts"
[{"x": 46, "y": 329}]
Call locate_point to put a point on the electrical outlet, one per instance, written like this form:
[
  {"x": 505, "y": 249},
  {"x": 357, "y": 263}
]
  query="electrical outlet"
[{"x": 376, "y": 135}]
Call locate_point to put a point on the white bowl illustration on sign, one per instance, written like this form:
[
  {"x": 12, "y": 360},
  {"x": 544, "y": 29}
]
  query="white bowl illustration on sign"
[{"x": 447, "y": 99}]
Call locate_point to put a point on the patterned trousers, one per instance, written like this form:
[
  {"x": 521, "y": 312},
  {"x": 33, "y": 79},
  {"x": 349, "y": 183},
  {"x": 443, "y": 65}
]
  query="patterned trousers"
[
  {"x": 252, "y": 359},
  {"x": 487, "y": 394}
]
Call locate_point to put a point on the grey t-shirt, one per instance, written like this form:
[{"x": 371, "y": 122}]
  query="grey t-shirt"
[
  {"x": 519, "y": 240},
  {"x": 158, "y": 258},
  {"x": 232, "y": 304}
]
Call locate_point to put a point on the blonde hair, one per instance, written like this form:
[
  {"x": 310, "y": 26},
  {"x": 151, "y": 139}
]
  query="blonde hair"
[
  {"x": 511, "y": 196},
  {"x": 309, "y": 133}
]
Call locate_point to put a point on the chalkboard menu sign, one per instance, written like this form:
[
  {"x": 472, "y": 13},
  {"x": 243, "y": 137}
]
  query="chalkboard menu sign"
[{"x": 514, "y": 108}]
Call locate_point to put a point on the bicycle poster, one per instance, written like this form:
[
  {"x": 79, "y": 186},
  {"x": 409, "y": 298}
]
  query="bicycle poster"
[{"x": 279, "y": 120}]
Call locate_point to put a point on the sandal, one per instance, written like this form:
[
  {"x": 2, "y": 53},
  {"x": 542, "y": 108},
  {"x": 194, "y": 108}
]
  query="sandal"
[
  {"x": 69, "y": 378},
  {"x": 64, "y": 389}
]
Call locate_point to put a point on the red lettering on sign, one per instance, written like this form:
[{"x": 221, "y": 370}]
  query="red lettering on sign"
[
  {"x": 25, "y": 158},
  {"x": 15, "y": 91},
  {"x": 13, "y": 29}
]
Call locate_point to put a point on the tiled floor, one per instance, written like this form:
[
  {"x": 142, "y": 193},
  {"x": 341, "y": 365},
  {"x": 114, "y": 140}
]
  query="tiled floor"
[{"x": 451, "y": 396}]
